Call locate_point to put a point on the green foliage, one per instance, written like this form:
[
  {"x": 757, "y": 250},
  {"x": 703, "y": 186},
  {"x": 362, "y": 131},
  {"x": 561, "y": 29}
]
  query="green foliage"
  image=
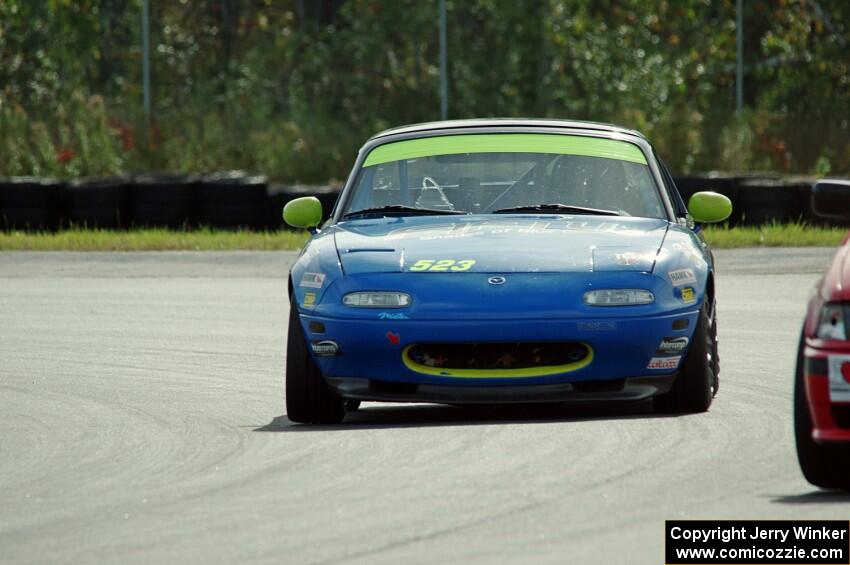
[
  {"x": 291, "y": 88},
  {"x": 77, "y": 140}
]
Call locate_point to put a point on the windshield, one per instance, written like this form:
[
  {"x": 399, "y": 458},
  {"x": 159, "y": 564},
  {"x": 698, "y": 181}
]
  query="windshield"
[{"x": 486, "y": 173}]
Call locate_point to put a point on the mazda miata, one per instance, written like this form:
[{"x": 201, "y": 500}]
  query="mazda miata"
[{"x": 503, "y": 261}]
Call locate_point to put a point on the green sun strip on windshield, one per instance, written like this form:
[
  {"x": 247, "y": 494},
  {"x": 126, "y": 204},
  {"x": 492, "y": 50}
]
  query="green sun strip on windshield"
[{"x": 506, "y": 143}]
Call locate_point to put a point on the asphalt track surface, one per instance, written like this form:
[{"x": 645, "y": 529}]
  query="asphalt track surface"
[{"x": 142, "y": 421}]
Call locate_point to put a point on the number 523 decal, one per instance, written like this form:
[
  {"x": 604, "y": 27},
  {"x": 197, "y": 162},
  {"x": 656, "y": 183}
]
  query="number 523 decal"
[{"x": 442, "y": 265}]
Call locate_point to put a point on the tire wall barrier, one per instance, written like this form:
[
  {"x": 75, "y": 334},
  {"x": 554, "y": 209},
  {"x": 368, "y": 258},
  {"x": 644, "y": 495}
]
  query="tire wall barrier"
[
  {"x": 758, "y": 198},
  {"x": 239, "y": 200},
  {"x": 28, "y": 203}
]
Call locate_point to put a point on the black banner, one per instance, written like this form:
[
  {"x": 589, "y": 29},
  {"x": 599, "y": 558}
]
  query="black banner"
[{"x": 758, "y": 542}]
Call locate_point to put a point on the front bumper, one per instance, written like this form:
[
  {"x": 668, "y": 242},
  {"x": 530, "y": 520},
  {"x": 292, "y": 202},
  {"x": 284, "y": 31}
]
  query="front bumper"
[
  {"x": 827, "y": 392},
  {"x": 371, "y": 350},
  {"x": 632, "y": 389}
]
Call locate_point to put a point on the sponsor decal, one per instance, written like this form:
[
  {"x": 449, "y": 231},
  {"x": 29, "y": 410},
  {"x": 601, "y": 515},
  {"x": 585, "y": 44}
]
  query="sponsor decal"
[
  {"x": 672, "y": 345},
  {"x": 393, "y": 338},
  {"x": 682, "y": 277},
  {"x": 627, "y": 259},
  {"x": 617, "y": 258},
  {"x": 664, "y": 362},
  {"x": 691, "y": 251},
  {"x": 597, "y": 326},
  {"x": 470, "y": 229},
  {"x": 309, "y": 299},
  {"x": 689, "y": 295},
  {"x": 393, "y": 316},
  {"x": 312, "y": 280},
  {"x": 839, "y": 384}
]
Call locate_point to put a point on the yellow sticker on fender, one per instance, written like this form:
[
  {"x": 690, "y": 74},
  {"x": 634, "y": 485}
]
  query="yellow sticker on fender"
[
  {"x": 309, "y": 299},
  {"x": 688, "y": 295},
  {"x": 442, "y": 265}
]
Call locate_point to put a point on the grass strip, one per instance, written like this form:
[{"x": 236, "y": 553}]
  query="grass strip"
[
  {"x": 774, "y": 235},
  {"x": 720, "y": 237},
  {"x": 151, "y": 240}
]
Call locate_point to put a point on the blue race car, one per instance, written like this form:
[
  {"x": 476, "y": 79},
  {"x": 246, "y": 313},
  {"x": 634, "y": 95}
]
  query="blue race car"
[{"x": 502, "y": 261}]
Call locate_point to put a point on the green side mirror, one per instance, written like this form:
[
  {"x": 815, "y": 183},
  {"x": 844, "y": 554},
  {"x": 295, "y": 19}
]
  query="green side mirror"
[
  {"x": 305, "y": 212},
  {"x": 709, "y": 207}
]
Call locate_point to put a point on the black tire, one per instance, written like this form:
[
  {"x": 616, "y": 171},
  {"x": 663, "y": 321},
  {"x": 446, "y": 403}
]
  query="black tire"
[
  {"x": 309, "y": 400},
  {"x": 233, "y": 200},
  {"x": 824, "y": 466},
  {"x": 29, "y": 203},
  {"x": 163, "y": 200},
  {"x": 97, "y": 202},
  {"x": 694, "y": 387},
  {"x": 714, "y": 351},
  {"x": 352, "y": 405}
]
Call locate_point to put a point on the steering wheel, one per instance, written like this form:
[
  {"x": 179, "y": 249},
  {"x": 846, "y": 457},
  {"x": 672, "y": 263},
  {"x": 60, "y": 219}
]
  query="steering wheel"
[{"x": 441, "y": 202}]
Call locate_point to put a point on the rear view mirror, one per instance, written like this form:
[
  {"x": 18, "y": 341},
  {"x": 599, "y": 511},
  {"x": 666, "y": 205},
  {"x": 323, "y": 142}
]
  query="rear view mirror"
[
  {"x": 305, "y": 212},
  {"x": 831, "y": 199},
  {"x": 709, "y": 207}
]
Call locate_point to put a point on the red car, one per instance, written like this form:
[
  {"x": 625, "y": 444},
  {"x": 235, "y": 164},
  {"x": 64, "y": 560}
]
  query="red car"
[{"x": 822, "y": 381}]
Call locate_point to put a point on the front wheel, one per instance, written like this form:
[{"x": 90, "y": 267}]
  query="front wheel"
[
  {"x": 352, "y": 405},
  {"x": 824, "y": 466},
  {"x": 309, "y": 400},
  {"x": 694, "y": 387}
]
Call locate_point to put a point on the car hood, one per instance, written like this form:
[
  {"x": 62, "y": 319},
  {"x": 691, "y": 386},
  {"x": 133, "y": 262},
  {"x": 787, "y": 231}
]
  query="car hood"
[{"x": 500, "y": 244}]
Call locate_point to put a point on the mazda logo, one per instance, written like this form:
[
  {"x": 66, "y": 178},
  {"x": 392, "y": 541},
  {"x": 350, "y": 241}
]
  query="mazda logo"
[{"x": 496, "y": 280}]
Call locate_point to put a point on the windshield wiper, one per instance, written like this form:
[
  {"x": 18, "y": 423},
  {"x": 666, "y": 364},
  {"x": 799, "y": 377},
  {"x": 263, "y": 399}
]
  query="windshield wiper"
[
  {"x": 564, "y": 208},
  {"x": 400, "y": 210}
]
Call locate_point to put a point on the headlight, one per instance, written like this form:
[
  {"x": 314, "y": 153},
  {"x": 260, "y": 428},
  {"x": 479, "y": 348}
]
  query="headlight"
[
  {"x": 618, "y": 297},
  {"x": 831, "y": 323},
  {"x": 376, "y": 299}
]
